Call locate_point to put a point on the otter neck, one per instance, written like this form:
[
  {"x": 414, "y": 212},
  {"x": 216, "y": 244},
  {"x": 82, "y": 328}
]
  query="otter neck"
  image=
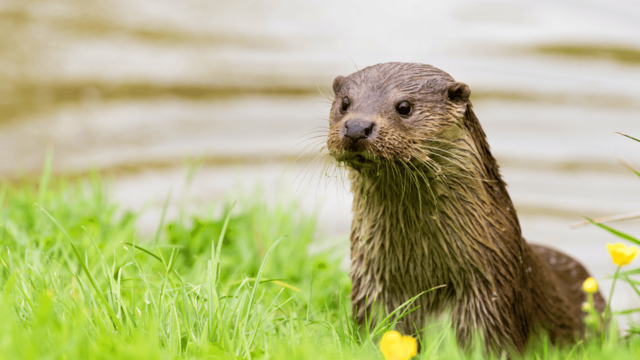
[{"x": 413, "y": 230}]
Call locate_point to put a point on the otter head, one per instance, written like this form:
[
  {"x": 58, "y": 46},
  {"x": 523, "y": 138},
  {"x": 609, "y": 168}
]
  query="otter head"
[{"x": 395, "y": 112}]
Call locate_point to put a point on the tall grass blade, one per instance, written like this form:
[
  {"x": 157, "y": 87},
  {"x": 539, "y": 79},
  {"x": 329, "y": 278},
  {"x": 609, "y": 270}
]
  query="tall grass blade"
[
  {"x": 256, "y": 284},
  {"x": 615, "y": 232},
  {"x": 630, "y": 137},
  {"x": 162, "y": 217},
  {"x": 94, "y": 283}
]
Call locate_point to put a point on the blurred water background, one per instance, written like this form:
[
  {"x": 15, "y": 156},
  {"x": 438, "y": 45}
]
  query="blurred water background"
[{"x": 140, "y": 89}]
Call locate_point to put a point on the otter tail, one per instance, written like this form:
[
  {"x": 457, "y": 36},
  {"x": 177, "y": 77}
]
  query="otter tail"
[{"x": 571, "y": 275}]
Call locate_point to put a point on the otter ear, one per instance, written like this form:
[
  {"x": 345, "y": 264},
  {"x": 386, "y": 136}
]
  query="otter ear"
[
  {"x": 459, "y": 92},
  {"x": 337, "y": 84}
]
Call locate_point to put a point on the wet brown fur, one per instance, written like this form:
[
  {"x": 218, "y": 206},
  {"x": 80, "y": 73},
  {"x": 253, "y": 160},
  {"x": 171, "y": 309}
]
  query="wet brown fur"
[{"x": 430, "y": 208}]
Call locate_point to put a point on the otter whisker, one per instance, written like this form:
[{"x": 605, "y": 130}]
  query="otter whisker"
[
  {"x": 304, "y": 153},
  {"x": 312, "y": 146},
  {"x": 315, "y": 133},
  {"x": 324, "y": 126},
  {"x": 325, "y": 96},
  {"x": 413, "y": 178},
  {"x": 311, "y": 164},
  {"x": 459, "y": 167},
  {"x": 426, "y": 181},
  {"x": 321, "y": 136},
  {"x": 316, "y": 149},
  {"x": 312, "y": 135},
  {"x": 320, "y": 132},
  {"x": 434, "y": 149},
  {"x": 433, "y": 166},
  {"x": 436, "y": 170},
  {"x": 336, "y": 175},
  {"x": 452, "y": 143},
  {"x": 328, "y": 170}
]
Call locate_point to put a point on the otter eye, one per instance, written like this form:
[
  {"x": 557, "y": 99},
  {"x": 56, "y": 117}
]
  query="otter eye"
[
  {"x": 403, "y": 108},
  {"x": 345, "y": 104}
]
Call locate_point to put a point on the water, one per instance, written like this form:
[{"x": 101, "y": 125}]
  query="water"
[{"x": 134, "y": 88}]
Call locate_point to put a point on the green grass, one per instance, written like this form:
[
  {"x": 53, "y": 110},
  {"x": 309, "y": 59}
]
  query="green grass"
[{"x": 77, "y": 282}]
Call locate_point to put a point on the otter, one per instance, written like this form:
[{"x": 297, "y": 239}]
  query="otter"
[{"x": 430, "y": 208}]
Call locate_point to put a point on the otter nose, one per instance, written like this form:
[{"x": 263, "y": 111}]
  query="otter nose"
[{"x": 356, "y": 129}]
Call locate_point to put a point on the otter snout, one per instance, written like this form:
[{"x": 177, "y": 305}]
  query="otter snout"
[{"x": 356, "y": 130}]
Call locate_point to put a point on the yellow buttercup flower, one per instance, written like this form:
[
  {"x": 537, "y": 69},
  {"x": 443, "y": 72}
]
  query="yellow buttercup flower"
[
  {"x": 590, "y": 285},
  {"x": 397, "y": 347},
  {"x": 622, "y": 254}
]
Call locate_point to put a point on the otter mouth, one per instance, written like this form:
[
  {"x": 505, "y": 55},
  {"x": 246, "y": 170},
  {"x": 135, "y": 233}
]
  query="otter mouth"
[{"x": 358, "y": 160}]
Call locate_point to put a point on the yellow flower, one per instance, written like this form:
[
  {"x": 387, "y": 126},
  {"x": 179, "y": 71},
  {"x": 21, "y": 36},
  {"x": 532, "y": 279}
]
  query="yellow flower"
[
  {"x": 397, "y": 347},
  {"x": 621, "y": 254},
  {"x": 590, "y": 285}
]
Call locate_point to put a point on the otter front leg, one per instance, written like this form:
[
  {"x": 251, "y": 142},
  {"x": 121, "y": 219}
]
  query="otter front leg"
[
  {"x": 364, "y": 287},
  {"x": 364, "y": 313},
  {"x": 363, "y": 299},
  {"x": 491, "y": 317}
]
